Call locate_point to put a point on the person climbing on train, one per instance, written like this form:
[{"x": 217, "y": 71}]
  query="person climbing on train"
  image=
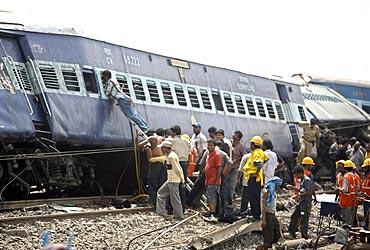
[
  {"x": 114, "y": 92},
  {"x": 310, "y": 138},
  {"x": 175, "y": 178},
  {"x": 270, "y": 225},
  {"x": 302, "y": 210},
  {"x": 365, "y": 191},
  {"x": 253, "y": 174}
]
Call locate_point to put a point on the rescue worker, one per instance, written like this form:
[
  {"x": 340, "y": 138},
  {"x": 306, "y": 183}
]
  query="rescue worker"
[
  {"x": 339, "y": 177},
  {"x": 175, "y": 178},
  {"x": 253, "y": 174},
  {"x": 347, "y": 194},
  {"x": 114, "y": 92},
  {"x": 310, "y": 138},
  {"x": 302, "y": 210},
  {"x": 365, "y": 191}
]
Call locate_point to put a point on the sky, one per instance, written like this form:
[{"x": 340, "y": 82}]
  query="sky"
[{"x": 322, "y": 38}]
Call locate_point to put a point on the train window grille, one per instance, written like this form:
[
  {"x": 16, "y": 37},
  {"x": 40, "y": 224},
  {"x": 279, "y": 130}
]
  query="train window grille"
[
  {"x": 261, "y": 109},
  {"x": 70, "y": 79},
  {"x": 180, "y": 96},
  {"x": 22, "y": 72},
  {"x": 193, "y": 98},
  {"x": 250, "y": 106},
  {"x": 138, "y": 89},
  {"x": 217, "y": 100},
  {"x": 205, "y": 99},
  {"x": 122, "y": 81},
  {"x": 229, "y": 103},
  {"x": 90, "y": 81},
  {"x": 301, "y": 113},
  {"x": 167, "y": 94},
  {"x": 321, "y": 98},
  {"x": 279, "y": 110},
  {"x": 49, "y": 76},
  {"x": 239, "y": 104},
  {"x": 270, "y": 110},
  {"x": 153, "y": 91}
]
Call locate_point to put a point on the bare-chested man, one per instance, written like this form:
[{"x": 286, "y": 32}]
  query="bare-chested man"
[{"x": 157, "y": 170}]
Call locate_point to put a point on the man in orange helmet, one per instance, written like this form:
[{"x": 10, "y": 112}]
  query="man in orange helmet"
[
  {"x": 253, "y": 175},
  {"x": 365, "y": 190}
]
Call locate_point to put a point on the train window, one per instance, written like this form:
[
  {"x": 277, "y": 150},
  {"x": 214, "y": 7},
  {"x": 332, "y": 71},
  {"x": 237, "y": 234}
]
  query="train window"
[
  {"x": 279, "y": 111},
  {"x": 205, "y": 98},
  {"x": 270, "y": 110},
  {"x": 302, "y": 114},
  {"x": 90, "y": 81},
  {"x": 167, "y": 94},
  {"x": 229, "y": 103},
  {"x": 22, "y": 73},
  {"x": 70, "y": 79},
  {"x": 49, "y": 76},
  {"x": 217, "y": 100},
  {"x": 180, "y": 95},
  {"x": 138, "y": 89},
  {"x": 250, "y": 106},
  {"x": 261, "y": 108},
  {"x": 122, "y": 81},
  {"x": 193, "y": 98},
  {"x": 153, "y": 91},
  {"x": 239, "y": 104},
  {"x": 366, "y": 108}
]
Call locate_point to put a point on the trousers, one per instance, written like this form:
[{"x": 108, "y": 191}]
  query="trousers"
[
  {"x": 172, "y": 190},
  {"x": 301, "y": 213},
  {"x": 156, "y": 177},
  {"x": 305, "y": 150},
  {"x": 132, "y": 114},
  {"x": 252, "y": 194}
]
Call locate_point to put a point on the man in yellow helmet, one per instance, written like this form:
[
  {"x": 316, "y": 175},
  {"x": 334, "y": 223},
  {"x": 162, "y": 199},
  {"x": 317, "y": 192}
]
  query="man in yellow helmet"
[
  {"x": 365, "y": 190},
  {"x": 254, "y": 176}
]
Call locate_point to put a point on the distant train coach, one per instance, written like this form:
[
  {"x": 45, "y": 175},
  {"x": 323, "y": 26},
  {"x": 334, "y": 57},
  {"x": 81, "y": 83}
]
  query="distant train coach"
[{"x": 55, "y": 117}]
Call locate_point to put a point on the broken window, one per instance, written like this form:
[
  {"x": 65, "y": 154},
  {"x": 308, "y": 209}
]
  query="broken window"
[
  {"x": 167, "y": 94},
  {"x": 70, "y": 78},
  {"x": 270, "y": 110},
  {"x": 261, "y": 109},
  {"x": 250, "y": 106},
  {"x": 239, "y": 104},
  {"x": 153, "y": 91},
  {"x": 193, "y": 98},
  {"x": 180, "y": 95},
  {"x": 205, "y": 99},
  {"x": 49, "y": 76},
  {"x": 138, "y": 89}
]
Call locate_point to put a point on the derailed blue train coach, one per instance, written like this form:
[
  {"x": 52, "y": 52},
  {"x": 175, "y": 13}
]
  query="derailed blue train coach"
[{"x": 52, "y": 100}]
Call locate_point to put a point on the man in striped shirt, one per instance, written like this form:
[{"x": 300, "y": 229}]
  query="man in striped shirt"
[{"x": 114, "y": 92}]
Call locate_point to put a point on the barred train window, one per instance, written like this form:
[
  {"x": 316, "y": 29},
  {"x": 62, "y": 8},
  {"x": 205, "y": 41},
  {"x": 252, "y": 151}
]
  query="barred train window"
[
  {"x": 279, "y": 111},
  {"x": 122, "y": 81},
  {"x": 229, "y": 103},
  {"x": 270, "y": 110},
  {"x": 301, "y": 113},
  {"x": 138, "y": 88},
  {"x": 153, "y": 91},
  {"x": 70, "y": 78},
  {"x": 239, "y": 104},
  {"x": 261, "y": 109},
  {"x": 193, "y": 98},
  {"x": 205, "y": 98},
  {"x": 22, "y": 72},
  {"x": 49, "y": 76},
  {"x": 166, "y": 90},
  {"x": 180, "y": 95},
  {"x": 250, "y": 106}
]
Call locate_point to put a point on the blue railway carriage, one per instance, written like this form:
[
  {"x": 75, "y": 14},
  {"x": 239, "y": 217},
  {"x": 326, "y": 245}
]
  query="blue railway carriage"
[{"x": 52, "y": 99}]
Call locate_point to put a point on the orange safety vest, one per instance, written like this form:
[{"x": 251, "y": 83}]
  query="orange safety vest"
[
  {"x": 191, "y": 161},
  {"x": 365, "y": 187},
  {"x": 339, "y": 180},
  {"x": 357, "y": 182},
  {"x": 347, "y": 200}
]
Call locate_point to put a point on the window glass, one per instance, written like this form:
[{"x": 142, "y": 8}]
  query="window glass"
[
  {"x": 193, "y": 98},
  {"x": 167, "y": 94},
  {"x": 205, "y": 98},
  {"x": 261, "y": 109},
  {"x": 239, "y": 104},
  {"x": 250, "y": 106}
]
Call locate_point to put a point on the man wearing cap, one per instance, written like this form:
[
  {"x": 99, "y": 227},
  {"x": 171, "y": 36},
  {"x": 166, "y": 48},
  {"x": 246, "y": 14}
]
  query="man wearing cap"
[
  {"x": 175, "y": 178},
  {"x": 253, "y": 175},
  {"x": 198, "y": 140},
  {"x": 365, "y": 190},
  {"x": 347, "y": 194},
  {"x": 310, "y": 138},
  {"x": 114, "y": 92}
]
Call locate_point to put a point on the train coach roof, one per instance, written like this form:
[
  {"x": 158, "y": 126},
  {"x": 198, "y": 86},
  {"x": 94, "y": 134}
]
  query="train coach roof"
[
  {"x": 355, "y": 83},
  {"x": 328, "y": 105}
]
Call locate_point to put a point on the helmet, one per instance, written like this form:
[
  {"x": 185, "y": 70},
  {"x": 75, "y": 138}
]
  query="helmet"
[
  {"x": 340, "y": 162},
  {"x": 307, "y": 161},
  {"x": 366, "y": 163},
  {"x": 257, "y": 140},
  {"x": 349, "y": 164}
]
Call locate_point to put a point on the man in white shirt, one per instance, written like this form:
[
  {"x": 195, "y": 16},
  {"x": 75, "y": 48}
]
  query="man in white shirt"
[
  {"x": 198, "y": 140},
  {"x": 270, "y": 166}
]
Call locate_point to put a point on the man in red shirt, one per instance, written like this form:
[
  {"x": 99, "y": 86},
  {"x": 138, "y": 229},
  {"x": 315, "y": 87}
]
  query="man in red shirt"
[{"x": 212, "y": 172}]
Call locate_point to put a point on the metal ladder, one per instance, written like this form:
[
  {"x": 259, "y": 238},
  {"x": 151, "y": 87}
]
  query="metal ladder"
[{"x": 140, "y": 132}]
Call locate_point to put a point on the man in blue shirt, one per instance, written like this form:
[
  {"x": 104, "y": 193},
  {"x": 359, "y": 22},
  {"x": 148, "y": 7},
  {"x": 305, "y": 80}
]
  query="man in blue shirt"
[{"x": 114, "y": 92}]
